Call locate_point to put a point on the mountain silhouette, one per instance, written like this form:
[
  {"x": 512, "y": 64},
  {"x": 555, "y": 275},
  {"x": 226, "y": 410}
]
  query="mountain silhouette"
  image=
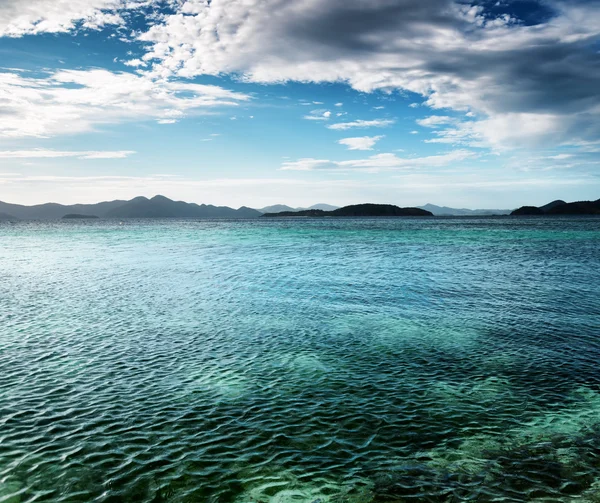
[
  {"x": 357, "y": 210},
  {"x": 559, "y": 207},
  {"x": 139, "y": 207}
]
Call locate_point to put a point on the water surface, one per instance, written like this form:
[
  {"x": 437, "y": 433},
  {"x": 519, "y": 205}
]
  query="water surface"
[{"x": 280, "y": 361}]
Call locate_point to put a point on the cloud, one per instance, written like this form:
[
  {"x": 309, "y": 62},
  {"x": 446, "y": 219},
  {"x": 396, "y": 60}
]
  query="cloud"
[
  {"x": 481, "y": 58},
  {"x": 435, "y": 121},
  {"x": 53, "y": 154},
  {"x": 520, "y": 130},
  {"x": 579, "y": 162},
  {"x": 362, "y": 124},
  {"x": 75, "y": 101},
  {"x": 318, "y": 115},
  {"x": 135, "y": 63},
  {"x": 379, "y": 162},
  {"x": 360, "y": 143},
  {"x": 32, "y": 17}
]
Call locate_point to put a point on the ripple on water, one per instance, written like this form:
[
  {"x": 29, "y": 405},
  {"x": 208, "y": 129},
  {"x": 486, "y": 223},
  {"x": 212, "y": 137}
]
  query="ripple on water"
[{"x": 320, "y": 361}]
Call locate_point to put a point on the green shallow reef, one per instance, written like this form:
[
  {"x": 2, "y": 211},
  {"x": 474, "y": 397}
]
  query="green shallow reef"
[{"x": 306, "y": 361}]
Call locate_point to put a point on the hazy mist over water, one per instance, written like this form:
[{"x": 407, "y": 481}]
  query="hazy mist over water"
[{"x": 329, "y": 360}]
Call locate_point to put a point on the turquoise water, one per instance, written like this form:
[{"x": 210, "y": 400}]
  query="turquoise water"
[{"x": 292, "y": 361}]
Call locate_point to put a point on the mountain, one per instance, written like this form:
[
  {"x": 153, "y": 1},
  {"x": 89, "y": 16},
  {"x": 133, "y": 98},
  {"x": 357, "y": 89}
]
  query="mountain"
[
  {"x": 6, "y": 216},
  {"x": 277, "y": 208},
  {"x": 561, "y": 208},
  {"x": 53, "y": 211},
  {"x": 440, "y": 211},
  {"x": 357, "y": 210},
  {"x": 552, "y": 205},
  {"x": 140, "y": 207},
  {"x": 323, "y": 206},
  {"x": 576, "y": 208},
  {"x": 163, "y": 207}
]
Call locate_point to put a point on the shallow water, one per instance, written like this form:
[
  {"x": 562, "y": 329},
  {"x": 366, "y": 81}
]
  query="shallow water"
[{"x": 280, "y": 361}]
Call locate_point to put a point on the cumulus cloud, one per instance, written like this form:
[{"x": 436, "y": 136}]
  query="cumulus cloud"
[
  {"x": 135, "y": 63},
  {"x": 379, "y": 162},
  {"x": 31, "y": 17},
  {"x": 53, "y": 154},
  {"x": 360, "y": 143},
  {"x": 361, "y": 124},
  {"x": 75, "y": 101},
  {"x": 457, "y": 56}
]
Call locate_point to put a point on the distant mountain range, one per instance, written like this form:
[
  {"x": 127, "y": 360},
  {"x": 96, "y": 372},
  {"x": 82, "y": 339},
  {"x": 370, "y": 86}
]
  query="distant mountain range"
[
  {"x": 163, "y": 207},
  {"x": 357, "y": 210},
  {"x": 139, "y": 207},
  {"x": 560, "y": 207},
  {"x": 442, "y": 211}
]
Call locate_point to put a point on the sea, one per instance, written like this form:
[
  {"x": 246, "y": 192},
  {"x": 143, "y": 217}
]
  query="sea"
[{"x": 300, "y": 360}]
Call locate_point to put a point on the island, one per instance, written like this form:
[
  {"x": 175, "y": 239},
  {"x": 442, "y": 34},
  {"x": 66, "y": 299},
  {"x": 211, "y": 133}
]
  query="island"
[
  {"x": 560, "y": 207},
  {"x": 78, "y": 216},
  {"x": 357, "y": 210},
  {"x": 7, "y": 217}
]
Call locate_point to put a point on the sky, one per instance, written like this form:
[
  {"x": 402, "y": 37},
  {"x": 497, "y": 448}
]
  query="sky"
[{"x": 463, "y": 103}]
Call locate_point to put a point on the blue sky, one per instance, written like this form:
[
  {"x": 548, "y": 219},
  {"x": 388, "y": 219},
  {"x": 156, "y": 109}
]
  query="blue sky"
[{"x": 488, "y": 104}]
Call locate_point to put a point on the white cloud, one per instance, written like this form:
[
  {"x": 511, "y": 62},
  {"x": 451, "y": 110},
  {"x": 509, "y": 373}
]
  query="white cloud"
[
  {"x": 360, "y": 143},
  {"x": 523, "y": 130},
  {"x": 456, "y": 56},
  {"x": 52, "y": 154},
  {"x": 135, "y": 63},
  {"x": 379, "y": 162},
  {"x": 31, "y": 17},
  {"x": 339, "y": 104},
  {"x": 435, "y": 121},
  {"x": 75, "y": 101},
  {"x": 318, "y": 115},
  {"x": 362, "y": 124}
]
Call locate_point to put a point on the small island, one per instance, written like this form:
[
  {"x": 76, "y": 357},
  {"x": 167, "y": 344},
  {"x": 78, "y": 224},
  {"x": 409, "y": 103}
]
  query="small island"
[
  {"x": 357, "y": 210},
  {"x": 560, "y": 207},
  {"x": 78, "y": 216}
]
